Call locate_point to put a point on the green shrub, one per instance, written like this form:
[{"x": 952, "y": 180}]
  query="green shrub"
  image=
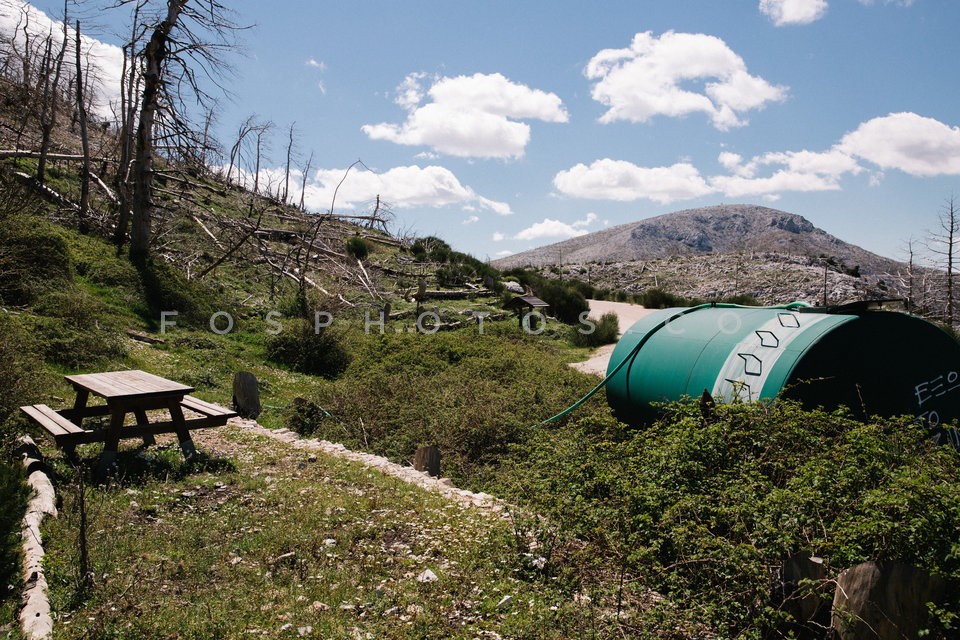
[
  {"x": 431, "y": 249},
  {"x": 453, "y": 275},
  {"x": 659, "y": 299},
  {"x": 20, "y": 372},
  {"x": 472, "y": 395},
  {"x": 34, "y": 258},
  {"x": 605, "y": 331},
  {"x": 702, "y": 510},
  {"x": 305, "y": 416},
  {"x": 166, "y": 289},
  {"x": 565, "y": 304},
  {"x": 357, "y": 247},
  {"x": 14, "y": 493},
  {"x": 77, "y": 330},
  {"x": 742, "y": 299},
  {"x": 304, "y": 349}
]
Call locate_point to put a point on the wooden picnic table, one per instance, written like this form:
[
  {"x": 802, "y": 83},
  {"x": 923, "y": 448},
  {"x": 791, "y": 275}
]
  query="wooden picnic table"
[{"x": 126, "y": 392}]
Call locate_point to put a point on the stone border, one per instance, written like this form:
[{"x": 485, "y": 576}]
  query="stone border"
[
  {"x": 36, "y": 623},
  {"x": 444, "y": 486}
]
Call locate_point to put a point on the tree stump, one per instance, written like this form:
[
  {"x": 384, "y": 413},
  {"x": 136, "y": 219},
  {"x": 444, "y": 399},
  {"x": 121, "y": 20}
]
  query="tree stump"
[
  {"x": 807, "y": 603},
  {"x": 428, "y": 459},
  {"x": 886, "y": 601},
  {"x": 246, "y": 395}
]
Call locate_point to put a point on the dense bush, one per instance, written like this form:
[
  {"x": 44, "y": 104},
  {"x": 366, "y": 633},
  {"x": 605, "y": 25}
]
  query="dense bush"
[
  {"x": 20, "y": 362},
  {"x": 308, "y": 350},
  {"x": 431, "y": 249},
  {"x": 473, "y": 395},
  {"x": 659, "y": 299},
  {"x": 454, "y": 275},
  {"x": 76, "y": 329},
  {"x": 703, "y": 510},
  {"x": 566, "y": 304},
  {"x": 34, "y": 258},
  {"x": 167, "y": 289},
  {"x": 357, "y": 247},
  {"x": 605, "y": 331}
]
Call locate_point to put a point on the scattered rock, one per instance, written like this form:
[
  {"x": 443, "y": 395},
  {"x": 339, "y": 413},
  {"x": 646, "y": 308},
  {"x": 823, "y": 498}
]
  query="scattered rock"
[
  {"x": 505, "y": 602},
  {"x": 319, "y": 606},
  {"x": 427, "y": 576}
]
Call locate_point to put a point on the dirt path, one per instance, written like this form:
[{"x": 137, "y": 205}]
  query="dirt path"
[{"x": 627, "y": 315}]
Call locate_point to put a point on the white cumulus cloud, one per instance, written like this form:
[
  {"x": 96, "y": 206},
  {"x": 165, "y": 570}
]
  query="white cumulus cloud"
[
  {"x": 552, "y": 229},
  {"x": 658, "y": 76},
  {"x": 402, "y": 187},
  {"x": 907, "y": 142},
  {"x": 911, "y": 143},
  {"x": 608, "y": 179},
  {"x": 786, "y": 171},
  {"x": 469, "y": 116},
  {"x": 785, "y": 12}
]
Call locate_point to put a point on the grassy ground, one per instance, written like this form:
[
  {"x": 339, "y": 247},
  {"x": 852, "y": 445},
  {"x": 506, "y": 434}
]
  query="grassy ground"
[{"x": 259, "y": 539}]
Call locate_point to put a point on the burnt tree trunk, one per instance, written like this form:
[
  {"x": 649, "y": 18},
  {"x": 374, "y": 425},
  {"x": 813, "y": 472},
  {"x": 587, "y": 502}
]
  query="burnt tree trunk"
[
  {"x": 154, "y": 56},
  {"x": 84, "y": 141}
]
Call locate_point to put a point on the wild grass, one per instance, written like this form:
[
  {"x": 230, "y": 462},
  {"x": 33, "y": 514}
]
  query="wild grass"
[{"x": 266, "y": 541}]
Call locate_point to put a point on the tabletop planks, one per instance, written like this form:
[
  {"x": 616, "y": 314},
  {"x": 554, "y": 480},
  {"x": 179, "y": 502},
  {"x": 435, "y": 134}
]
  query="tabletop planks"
[{"x": 134, "y": 383}]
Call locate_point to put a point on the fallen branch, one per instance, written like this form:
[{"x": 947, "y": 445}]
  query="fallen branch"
[
  {"x": 204, "y": 227},
  {"x": 36, "y": 622},
  {"x": 47, "y": 191},
  {"x": 35, "y": 155},
  {"x": 107, "y": 190}
]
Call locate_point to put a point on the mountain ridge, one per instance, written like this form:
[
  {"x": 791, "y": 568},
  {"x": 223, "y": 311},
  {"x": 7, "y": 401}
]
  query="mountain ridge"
[{"x": 719, "y": 229}]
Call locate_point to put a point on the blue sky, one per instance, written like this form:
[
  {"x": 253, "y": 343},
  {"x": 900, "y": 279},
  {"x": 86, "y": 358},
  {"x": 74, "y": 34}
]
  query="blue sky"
[{"x": 501, "y": 126}]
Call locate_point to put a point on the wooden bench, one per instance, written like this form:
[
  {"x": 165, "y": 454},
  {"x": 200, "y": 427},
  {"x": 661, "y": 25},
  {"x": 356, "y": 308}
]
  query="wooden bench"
[
  {"x": 207, "y": 409},
  {"x": 64, "y": 431}
]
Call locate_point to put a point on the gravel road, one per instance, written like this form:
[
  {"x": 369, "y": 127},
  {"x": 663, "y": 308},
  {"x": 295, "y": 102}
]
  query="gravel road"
[{"x": 627, "y": 315}]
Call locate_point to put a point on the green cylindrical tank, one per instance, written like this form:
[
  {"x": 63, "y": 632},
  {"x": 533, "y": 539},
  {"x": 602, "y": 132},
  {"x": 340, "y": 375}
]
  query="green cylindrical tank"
[{"x": 875, "y": 362}]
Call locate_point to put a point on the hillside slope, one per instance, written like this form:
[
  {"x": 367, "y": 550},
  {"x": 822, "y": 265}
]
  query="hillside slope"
[{"x": 721, "y": 229}]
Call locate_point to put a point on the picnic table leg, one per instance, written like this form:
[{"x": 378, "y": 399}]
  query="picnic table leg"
[
  {"x": 80, "y": 404},
  {"x": 142, "y": 421},
  {"x": 110, "y": 443},
  {"x": 180, "y": 428}
]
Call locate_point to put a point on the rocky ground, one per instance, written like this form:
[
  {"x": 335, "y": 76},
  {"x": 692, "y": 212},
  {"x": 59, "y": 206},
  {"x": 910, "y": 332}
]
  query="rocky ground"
[{"x": 769, "y": 277}]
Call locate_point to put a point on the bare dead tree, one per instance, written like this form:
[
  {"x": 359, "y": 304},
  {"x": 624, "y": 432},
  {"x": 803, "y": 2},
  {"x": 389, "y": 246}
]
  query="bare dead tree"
[
  {"x": 303, "y": 185},
  {"x": 129, "y": 86},
  {"x": 943, "y": 246},
  {"x": 185, "y": 49},
  {"x": 262, "y": 130},
  {"x": 286, "y": 173},
  {"x": 246, "y": 127},
  {"x": 49, "y": 100},
  {"x": 84, "y": 138}
]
